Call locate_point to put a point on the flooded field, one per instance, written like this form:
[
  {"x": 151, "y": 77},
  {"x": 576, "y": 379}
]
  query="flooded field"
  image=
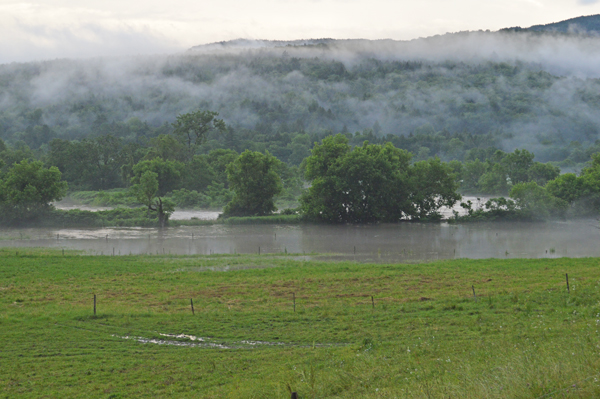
[{"x": 381, "y": 243}]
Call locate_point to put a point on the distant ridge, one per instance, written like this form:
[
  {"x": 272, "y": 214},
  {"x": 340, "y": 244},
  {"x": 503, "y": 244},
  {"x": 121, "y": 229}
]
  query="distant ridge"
[
  {"x": 251, "y": 43},
  {"x": 586, "y": 24}
]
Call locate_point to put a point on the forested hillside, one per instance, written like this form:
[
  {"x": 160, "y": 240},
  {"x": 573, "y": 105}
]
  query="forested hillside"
[{"x": 283, "y": 96}]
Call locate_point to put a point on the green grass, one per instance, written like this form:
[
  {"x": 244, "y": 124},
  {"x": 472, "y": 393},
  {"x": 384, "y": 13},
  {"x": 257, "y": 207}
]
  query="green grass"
[{"x": 426, "y": 337}]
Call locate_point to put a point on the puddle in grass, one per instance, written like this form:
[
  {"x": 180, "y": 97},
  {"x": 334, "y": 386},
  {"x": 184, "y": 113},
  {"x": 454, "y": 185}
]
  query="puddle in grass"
[{"x": 191, "y": 341}]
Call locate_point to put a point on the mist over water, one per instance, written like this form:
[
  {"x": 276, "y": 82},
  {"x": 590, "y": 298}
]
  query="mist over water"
[{"x": 404, "y": 242}]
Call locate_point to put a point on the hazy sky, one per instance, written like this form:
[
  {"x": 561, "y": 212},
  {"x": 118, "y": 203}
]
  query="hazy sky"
[{"x": 33, "y": 30}]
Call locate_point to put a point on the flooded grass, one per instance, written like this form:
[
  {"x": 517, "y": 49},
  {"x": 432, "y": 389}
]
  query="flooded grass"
[{"x": 358, "y": 330}]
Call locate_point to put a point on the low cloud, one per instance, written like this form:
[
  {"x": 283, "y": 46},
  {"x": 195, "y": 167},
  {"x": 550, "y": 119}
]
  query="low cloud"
[{"x": 29, "y": 32}]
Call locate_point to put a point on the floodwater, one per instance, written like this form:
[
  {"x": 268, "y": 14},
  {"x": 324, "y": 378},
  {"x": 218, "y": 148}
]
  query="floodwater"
[
  {"x": 402, "y": 242},
  {"x": 186, "y": 214},
  {"x": 180, "y": 214}
]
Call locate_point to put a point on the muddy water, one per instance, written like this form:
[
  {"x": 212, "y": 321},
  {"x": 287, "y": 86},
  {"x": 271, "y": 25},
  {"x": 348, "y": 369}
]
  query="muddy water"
[
  {"x": 404, "y": 242},
  {"x": 180, "y": 214},
  {"x": 184, "y": 214}
]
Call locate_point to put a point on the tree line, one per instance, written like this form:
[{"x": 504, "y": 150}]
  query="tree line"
[{"x": 339, "y": 181}]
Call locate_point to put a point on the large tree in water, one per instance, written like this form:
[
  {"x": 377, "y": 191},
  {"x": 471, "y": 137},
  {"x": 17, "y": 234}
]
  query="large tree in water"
[
  {"x": 372, "y": 183},
  {"x": 28, "y": 190},
  {"x": 146, "y": 192},
  {"x": 254, "y": 180}
]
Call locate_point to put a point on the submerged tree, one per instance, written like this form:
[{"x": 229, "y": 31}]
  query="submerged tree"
[
  {"x": 432, "y": 185},
  {"x": 253, "y": 178},
  {"x": 372, "y": 183},
  {"x": 28, "y": 190},
  {"x": 146, "y": 191}
]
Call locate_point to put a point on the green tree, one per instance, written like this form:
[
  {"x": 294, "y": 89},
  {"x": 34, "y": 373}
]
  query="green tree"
[
  {"x": 146, "y": 192},
  {"x": 193, "y": 128},
  {"x": 494, "y": 181},
  {"x": 218, "y": 161},
  {"x": 542, "y": 173},
  {"x": 373, "y": 183},
  {"x": 254, "y": 180},
  {"x": 168, "y": 172},
  {"x": 168, "y": 148},
  {"x": 471, "y": 173},
  {"x": 432, "y": 185},
  {"x": 536, "y": 202},
  {"x": 94, "y": 164},
  {"x": 567, "y": 187},
  {"x": 365, "y": 184},
  {"x": 517, "y": 164},
  {"x": 27, "y": 191},
  {"x": 198, "y": 174}
]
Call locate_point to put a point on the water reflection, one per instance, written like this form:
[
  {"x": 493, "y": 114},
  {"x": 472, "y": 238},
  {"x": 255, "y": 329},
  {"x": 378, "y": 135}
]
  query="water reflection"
[{"x": 380, "y": 243}]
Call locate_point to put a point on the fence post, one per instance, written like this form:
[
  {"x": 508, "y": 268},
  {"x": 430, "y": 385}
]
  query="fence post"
[
  {"x": 294, "y": 296},
  {"x": 474, "y": 296},
  {"x": 192, "y": 303},
  {"x": 568, "y": 289},
  {"x": 94, "y": 304}
]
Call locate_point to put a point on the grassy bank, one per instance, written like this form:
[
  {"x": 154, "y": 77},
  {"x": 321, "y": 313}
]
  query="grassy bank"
[{"x": 423, "y": 335}]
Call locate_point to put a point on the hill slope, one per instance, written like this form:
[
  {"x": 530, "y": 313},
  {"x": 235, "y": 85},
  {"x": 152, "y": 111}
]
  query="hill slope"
[{"x": 589, "y": 24}]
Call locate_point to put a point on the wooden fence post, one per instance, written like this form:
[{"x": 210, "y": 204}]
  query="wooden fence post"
[
  {"x": 192, "y": 303},
  {"x": 568, "y": 289},
  {"x": 474, "y": 296},
  {"x": 94, "y": 304}
]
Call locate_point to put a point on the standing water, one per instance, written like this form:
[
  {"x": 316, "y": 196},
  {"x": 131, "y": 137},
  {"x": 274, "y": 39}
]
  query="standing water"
[{"x": 381, "y": 243}]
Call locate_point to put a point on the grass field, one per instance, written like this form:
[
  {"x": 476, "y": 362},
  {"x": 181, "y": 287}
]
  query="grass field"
[{"x": 422, "y": 336}]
